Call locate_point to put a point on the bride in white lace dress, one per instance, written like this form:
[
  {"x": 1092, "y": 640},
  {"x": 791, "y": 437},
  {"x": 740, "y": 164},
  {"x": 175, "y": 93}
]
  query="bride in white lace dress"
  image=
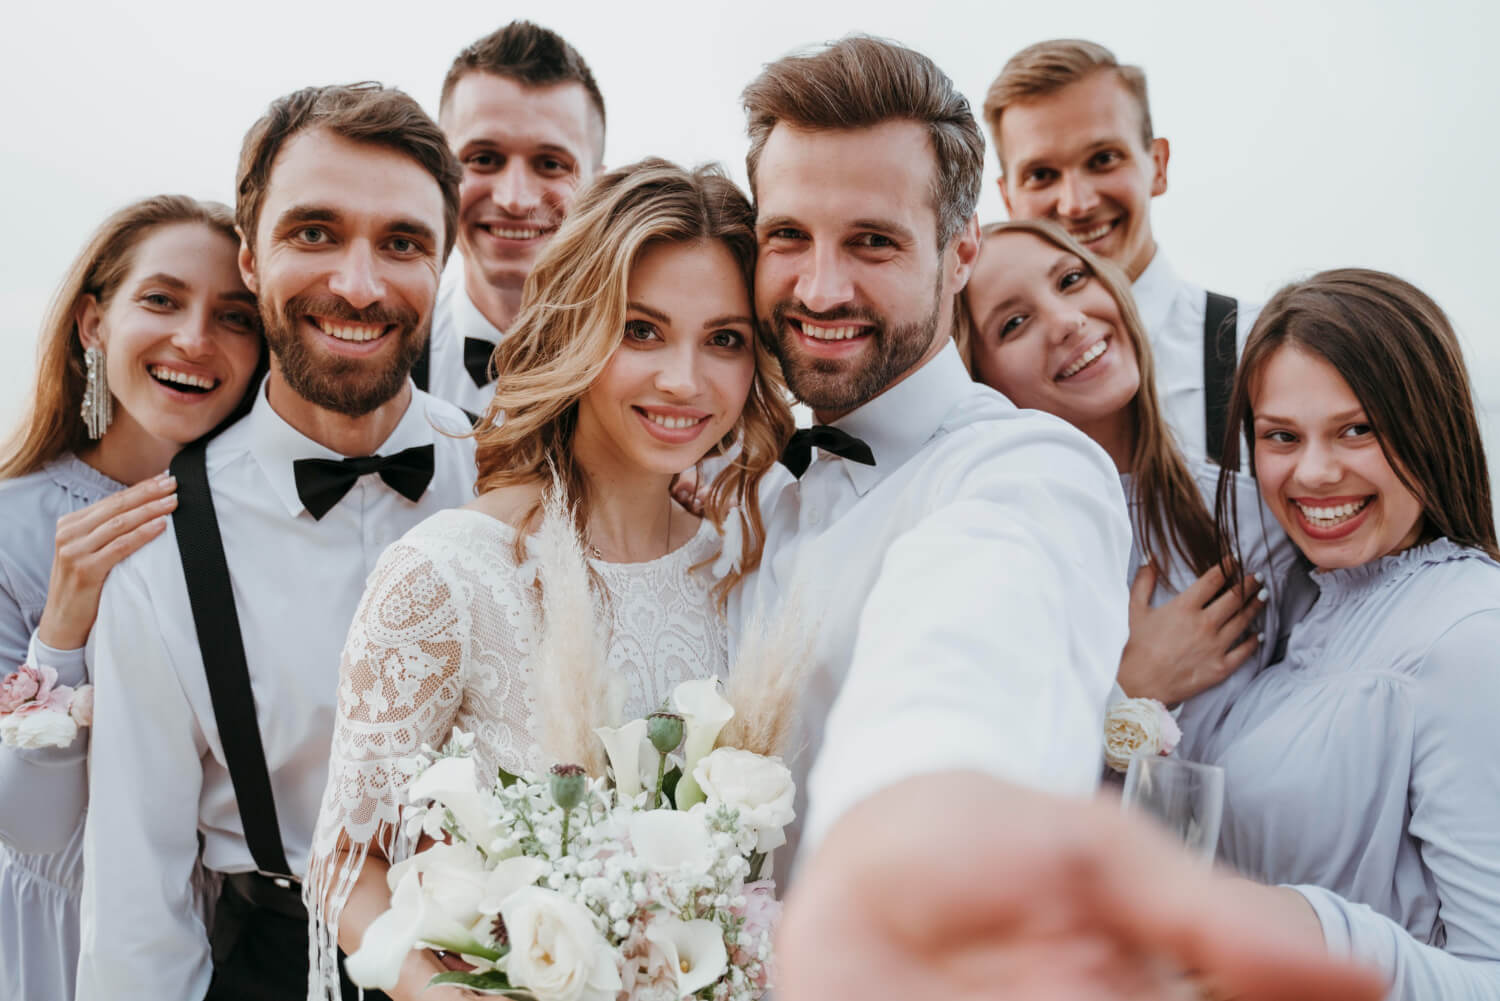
[{"x": 634, "y": 357}]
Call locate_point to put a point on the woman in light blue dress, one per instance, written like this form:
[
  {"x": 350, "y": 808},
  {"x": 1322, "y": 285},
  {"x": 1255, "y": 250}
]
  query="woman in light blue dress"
[
  {"x": 1055, "y": 329},
  {"x": 155, "y": 308},
  {"x": 1363, "y": 769}
]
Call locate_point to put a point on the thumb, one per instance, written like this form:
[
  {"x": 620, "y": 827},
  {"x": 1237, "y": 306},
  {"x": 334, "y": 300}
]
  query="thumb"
[{"x": 1144, "y": 586}]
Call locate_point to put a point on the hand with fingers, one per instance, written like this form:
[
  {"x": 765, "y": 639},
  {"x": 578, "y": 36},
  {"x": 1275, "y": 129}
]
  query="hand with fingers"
[
  {"x": 90, "y": 542},
  {"x": 961, "y": 886},
  {"x": 1192, "y": 642}
]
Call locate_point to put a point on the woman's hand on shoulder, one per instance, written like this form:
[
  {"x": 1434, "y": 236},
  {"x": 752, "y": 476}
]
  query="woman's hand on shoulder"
[
  {"x": 89, "y": 543},
  {"x": 1192, "y": 642}
]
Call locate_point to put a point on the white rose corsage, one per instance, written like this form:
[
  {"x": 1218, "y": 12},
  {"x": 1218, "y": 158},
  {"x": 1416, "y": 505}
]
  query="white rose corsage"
[
  {"x": 1138, "y": 726},
  {"x": 35, "y": 711}
]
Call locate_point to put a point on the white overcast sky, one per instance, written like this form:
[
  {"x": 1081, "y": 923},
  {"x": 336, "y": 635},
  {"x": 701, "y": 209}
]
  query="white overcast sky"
[{"x": 1304, "y": 134}]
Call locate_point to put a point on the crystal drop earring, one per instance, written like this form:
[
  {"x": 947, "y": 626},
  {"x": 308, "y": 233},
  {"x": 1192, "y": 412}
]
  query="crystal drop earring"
[{"x": 98, "y": 406}]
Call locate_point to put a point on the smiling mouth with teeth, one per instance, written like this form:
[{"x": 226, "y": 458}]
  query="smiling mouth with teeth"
[
  {"x": 1090, "y": 235},
  {"x": 1328, "y": 517},
  {"x": 182, "y": 381},
  {"x": 1086, "y": 359},
  {"x": 671, "y": 423},
  {"x": 354, "y": 332},
  {"x": 513, "y": 233},
  {"x": 831, "y": 333}
]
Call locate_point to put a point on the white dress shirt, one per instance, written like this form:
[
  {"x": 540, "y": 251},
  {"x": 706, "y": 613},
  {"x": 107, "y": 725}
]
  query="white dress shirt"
[
  {"x": 967, "y": 594},
  {"x": 1173, "y": 309},
  {"x": 454, "y": 318},
  {"x": 157, "y": 777}
]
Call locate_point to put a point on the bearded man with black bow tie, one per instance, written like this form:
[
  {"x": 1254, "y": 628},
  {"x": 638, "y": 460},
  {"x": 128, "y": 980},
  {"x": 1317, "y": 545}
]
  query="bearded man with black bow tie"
[
  {"x": 949, "y": 549},
  {"x": 216, "y": 650}
]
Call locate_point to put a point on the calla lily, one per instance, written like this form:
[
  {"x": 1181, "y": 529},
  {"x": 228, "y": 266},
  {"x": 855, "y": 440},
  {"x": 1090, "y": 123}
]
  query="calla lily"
[
  {"x": 506, "y": 878},
  {"x": 378, "y": 960},
  {"x": 705, "y": 712},
  {"x": 623, "y": 745},
  {"x": 694, "y": 949},
  {"x": 452, "y": 783},
  {"x": 666, "y": 840}
]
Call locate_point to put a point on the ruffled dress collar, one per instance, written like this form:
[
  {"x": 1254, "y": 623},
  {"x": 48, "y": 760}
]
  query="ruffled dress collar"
[
  {"x": 1353, "y": 582},
  {"x": 80, "y": 479}
]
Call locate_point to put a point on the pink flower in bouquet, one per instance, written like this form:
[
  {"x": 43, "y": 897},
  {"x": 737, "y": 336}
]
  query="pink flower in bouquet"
[
  {"x": 22, "y": 686},
  {"x": 81, "y": 706},
  {"x": 761, "y": 912}
]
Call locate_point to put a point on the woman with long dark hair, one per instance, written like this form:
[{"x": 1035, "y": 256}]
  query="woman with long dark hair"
[
  {"x": 1363, "y": 769},
  {"x": 152, "y": 340}
]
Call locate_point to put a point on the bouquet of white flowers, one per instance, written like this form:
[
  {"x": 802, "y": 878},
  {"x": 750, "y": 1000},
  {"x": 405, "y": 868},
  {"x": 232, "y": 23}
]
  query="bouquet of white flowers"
[{"x": 644, "y": 884}]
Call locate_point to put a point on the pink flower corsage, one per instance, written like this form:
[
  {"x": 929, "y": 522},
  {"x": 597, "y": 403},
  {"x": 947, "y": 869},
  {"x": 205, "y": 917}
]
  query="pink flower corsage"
[{"x": 35, "y": 711}]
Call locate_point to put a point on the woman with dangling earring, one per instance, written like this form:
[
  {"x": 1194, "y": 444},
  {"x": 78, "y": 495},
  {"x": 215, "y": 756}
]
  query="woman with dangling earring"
[{"x": 151, "y": 342}]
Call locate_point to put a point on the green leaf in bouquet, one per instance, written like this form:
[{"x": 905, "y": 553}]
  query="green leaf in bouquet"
[
  {"x": 506, "y": 779},
  {"x": 669, "y": 785},
  {"x": 489, "y": 982}
]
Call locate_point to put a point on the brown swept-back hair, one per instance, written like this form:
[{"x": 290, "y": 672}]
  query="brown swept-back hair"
[
  {"x": 1397, "y": 351},
  {"x": 51, "y": 426},
  {"x": 572, "y": 320},
  {"x": 1174, "y": 517},
  {"x": 859, "y": 82},
  {"x": 531, "y": 55},
  {"x": 360, "y": 112},
  {"x": 1047, "y": 67}
]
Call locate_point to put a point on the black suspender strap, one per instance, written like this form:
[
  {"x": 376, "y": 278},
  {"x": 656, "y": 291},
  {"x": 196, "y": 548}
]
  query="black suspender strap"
[
  {"x": 218, "y": 626},
  {"x": 423, "y": 365},
  {"x": 1220, "y": 356}
]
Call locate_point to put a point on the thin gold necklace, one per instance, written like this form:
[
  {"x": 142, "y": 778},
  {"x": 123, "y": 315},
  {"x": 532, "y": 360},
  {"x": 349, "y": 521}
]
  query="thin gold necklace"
[{"x": 598, "y": 554}]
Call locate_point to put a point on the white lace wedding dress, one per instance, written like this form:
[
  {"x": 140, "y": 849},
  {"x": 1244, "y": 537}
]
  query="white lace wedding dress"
[{"x": 443, "y": 638}]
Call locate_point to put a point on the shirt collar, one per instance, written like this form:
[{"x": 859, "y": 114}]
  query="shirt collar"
[
  {"x": 470, "y": 322},
  {"x": 275, "y": 444},
  {"x": 1154, "y": 289},
  {"x": 898, "y": 422}
]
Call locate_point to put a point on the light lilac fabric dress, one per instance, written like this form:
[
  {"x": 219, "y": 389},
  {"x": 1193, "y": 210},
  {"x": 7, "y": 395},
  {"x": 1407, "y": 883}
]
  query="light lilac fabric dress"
[
  {"x": 42, "y": 792},
  {"x": 1364, "y": 769}
]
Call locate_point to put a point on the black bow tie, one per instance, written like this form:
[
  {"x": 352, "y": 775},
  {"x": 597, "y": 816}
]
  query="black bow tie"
[
  {"x": 477, "y": 354},
  {"x": 322, "y": 483},
  {"x": 798, "y": 453}
]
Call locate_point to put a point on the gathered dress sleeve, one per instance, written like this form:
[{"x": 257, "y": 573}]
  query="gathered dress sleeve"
[
  {"x": 425, "y": 617},
  {"x": 45, "y": 789},
  {"x": 1454, "y": 798}
]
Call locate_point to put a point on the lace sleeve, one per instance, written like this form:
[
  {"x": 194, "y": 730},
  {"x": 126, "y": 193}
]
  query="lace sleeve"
[{"x": 401, "y": 682}]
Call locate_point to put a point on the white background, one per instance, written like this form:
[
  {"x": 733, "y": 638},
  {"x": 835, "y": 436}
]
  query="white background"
[{"x": 1304, "y": 135}]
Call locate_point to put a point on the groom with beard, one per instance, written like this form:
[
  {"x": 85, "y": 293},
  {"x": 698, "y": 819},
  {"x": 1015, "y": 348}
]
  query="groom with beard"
[
  {"x": 216, "y": 651},
  {"x": 963, "y": 564}
]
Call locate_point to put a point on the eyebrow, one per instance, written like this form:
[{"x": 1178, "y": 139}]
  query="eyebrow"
[
  {"x": 1357, "y": 413},
  {"x": 162, "y": 278},
  {"x": 1025, "y": 166},
  {"x": 727, "y": 319},
  {"x": 324, "y": 213}
]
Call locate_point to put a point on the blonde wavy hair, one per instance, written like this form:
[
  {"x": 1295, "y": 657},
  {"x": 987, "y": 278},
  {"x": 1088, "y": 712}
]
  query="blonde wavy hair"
[{"x": 572, "y": 320}]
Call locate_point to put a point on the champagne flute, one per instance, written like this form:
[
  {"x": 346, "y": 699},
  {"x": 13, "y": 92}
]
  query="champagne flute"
[{"x": 1185, "y": 796}]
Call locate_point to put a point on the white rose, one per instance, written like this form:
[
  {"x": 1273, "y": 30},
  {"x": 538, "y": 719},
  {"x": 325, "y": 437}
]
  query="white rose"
[
  {"x": 38, "y": 728},
  {"x": 1138, "y": 726},
  {"x": 760, "y": 788},
  {"x": 555, "y": 951}
]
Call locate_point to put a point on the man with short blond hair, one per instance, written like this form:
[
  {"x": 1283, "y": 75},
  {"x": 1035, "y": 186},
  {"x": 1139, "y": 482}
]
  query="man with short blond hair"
[
  {"x": 1074, "y": 139},
  {"x": 525, "y": 118}
]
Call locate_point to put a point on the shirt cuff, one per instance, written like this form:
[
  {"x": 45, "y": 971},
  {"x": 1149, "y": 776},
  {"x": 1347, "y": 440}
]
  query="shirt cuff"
[{"x": 69, "y": 664}]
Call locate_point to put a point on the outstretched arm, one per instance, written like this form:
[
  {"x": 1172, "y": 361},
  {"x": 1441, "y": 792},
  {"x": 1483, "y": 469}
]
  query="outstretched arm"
[{"x": 962, "y": 886}]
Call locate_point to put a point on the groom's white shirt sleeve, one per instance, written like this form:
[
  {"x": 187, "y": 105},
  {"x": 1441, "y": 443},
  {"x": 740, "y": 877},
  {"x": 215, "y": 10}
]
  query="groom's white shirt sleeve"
[
  {"x": 141, "y": 931},
  {"x": 992, "y": 635}
]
